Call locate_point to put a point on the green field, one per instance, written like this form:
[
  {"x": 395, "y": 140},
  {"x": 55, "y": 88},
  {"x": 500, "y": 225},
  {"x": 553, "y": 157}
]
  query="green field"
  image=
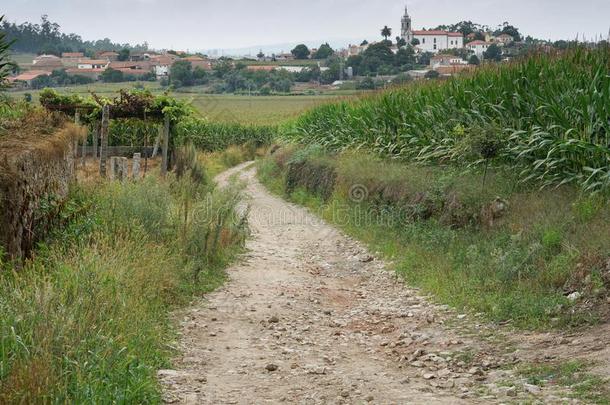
[{"x": 218, "y": 107}]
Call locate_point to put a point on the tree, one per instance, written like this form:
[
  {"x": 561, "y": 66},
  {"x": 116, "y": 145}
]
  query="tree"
[
  {"x": 400, "y": 42},
  {"x": 386, "y": 32},
  {"x": 364, "y": 43},
  {"x": 474, "y": 60},
  {"x": 493, "y": 53},
  {"x": 323, "y": 52},
  {"x": 432, "y": 74},
  {"x": 405, "y": 56},
  {"x": 260, "y": 55},
  {"x": 223, "y": 67},
  {"x": 355, "y": 62},
  {"x": 366, "y": 84},
  {"x": 424, "y": 58},
  {"x": 124, "y": 54},
  {"x": 561, "y": 44},
  {"x": 5, "y": 63},
  {"x": 112, "y": 76},
  {"x": 415, "y": 42},
  {"x": 380, "y": 50},
  {"x": 301, "y": 52},
  {"x": 181, "y": 73},
  {"x": 509, "y": 30},
  {"x": 46, "y": 37}
]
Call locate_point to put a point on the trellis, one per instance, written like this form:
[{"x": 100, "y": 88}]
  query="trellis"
[{"x": 127, "y": 106}]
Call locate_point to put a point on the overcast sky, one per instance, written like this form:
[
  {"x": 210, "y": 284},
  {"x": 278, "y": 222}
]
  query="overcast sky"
[{"x": 206, "y": 24}]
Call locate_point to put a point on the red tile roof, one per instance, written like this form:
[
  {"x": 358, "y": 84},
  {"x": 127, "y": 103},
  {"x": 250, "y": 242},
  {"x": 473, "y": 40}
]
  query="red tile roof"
[
  {"x": 93, "y": 61},
  {"x": 478, "y": 42},
  {"x": 77, "y": 71},
  {"x": 32, "y": 74},
  {"x": 261, "y": 67},
  {"x": 72, "y": 55},
  {"x": 438, "y": 32}
]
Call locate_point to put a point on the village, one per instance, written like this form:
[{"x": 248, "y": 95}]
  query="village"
[
  {"x": 279, "y": 202},
  {"x": 425, "y": 53}
]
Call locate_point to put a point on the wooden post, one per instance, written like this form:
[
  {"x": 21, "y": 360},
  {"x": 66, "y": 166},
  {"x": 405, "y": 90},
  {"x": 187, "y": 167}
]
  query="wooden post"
[
  {"x": 157, "y": 141},
  {"x": 96, "y": 139},
  {"x": 84, "y": 150},
  {"x": 135, "y": 171},
  {"x": 114, "y": 168},
  {"x": 165, "y": 146},
  {"x": 123, "y": 169},
  {"x": 75, "y": 141},
  {"x": 104, "y": 136}
]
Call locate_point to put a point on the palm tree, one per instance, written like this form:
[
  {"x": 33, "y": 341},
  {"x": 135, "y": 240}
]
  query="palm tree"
[{"x": 386, "y": 32}]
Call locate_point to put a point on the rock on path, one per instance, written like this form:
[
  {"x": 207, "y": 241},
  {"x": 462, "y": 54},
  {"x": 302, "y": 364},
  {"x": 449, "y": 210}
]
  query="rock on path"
[{"x": 308, "y": 316}]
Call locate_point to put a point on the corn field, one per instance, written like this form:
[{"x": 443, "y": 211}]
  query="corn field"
[
  {"x": 215, "y": 136},
  {"x": 546, "y": 117}
]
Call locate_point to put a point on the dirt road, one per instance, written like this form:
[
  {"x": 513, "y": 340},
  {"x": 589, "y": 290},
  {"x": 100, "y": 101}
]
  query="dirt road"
[{"x": 309, "y": 316}]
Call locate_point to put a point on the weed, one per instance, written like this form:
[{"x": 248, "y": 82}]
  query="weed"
[{"x": 573, "y": 375}]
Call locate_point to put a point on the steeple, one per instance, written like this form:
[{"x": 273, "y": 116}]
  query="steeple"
[{"x": 406, "y": 30}]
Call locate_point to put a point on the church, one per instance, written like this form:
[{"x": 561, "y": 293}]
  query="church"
[{"x": 430, "y": 41}]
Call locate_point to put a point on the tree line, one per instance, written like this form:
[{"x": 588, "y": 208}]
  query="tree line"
[{"x": 47, "y": 38}]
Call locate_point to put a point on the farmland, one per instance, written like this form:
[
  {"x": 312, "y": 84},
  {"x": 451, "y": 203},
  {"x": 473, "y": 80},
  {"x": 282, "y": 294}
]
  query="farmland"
[
  {"x": 547, "y": 131},
  {"x": 219, "y": 107}
]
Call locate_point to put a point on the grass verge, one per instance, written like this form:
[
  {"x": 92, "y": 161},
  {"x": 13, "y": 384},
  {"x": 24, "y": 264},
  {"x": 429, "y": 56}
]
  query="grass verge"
[
  {"x": 440, "y": 229},
  {"x": 572, "y": 375},
  {"x": 87, "y": 320}
]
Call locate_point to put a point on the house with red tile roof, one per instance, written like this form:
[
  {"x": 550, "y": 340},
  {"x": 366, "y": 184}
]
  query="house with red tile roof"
[
  {"x": 200, "y": 62},
  {"x": 27, "y": 77},
  {"x": 109, "y": 55},
  {"x": 478, "y": 47},
  {"x": 47, "y": 63}
]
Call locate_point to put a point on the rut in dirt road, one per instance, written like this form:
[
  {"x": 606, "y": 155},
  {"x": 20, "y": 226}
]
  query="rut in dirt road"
[{"x": 308, "y": 316}]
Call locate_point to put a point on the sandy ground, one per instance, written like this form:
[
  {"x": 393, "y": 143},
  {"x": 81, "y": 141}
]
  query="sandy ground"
[{"x": 309, "y": 316}]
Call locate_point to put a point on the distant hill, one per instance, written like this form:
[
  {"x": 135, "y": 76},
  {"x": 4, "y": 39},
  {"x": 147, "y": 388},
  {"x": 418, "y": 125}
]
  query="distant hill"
[{"x": 336, "y": 43}]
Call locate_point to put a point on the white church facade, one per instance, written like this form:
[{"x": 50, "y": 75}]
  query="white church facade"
[{"x": 431, "y": 41}]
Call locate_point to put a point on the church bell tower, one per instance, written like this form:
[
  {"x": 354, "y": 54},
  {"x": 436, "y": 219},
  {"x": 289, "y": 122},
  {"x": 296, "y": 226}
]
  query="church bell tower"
[{"x": 407, "y": 31}]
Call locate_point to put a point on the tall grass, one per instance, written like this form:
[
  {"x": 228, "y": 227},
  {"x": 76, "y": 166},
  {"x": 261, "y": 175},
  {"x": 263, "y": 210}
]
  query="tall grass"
[
  {"x": 216, "y": 136},
  {"x": 86, "y": 321},
  {"x": 550, "y": 113},
  {"x": 430, "y": 222}
]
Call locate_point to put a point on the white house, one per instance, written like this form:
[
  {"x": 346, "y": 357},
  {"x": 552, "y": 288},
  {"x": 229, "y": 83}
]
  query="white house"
[
  {"x": 93, "y": 63},
  {"x": 446, "y": 60},
  {"x": 478, "y": 47},
  {"x": 433, "y": 40},
  {"x": 436, "y": 40}
]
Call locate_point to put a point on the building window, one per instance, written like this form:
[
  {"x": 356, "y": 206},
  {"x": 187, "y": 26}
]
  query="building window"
[
  {"x": 435, "y": 40},
  {"x": 435, "y": 47},
  {"x": 423, "y": 41}
]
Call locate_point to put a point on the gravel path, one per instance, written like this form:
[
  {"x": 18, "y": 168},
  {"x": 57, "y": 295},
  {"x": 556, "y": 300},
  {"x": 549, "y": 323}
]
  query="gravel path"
[{"x": 309, "y": 316}]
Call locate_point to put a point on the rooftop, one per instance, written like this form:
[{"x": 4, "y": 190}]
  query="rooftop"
[{"x": 438, "y": 32}]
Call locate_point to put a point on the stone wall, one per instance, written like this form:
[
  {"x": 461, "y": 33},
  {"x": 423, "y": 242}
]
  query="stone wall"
[{"x": 33, "y": 171}]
